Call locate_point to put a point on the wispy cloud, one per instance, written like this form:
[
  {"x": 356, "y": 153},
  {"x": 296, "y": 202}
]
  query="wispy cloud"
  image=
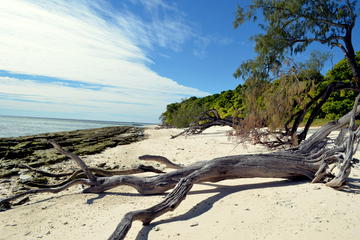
[
  {"x": 164, "y": 24},
  {"x": 202, "y": 43},
  {"x": 92, "y": 43}
]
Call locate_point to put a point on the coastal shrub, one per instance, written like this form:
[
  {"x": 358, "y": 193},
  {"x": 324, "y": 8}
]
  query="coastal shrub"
[
  {"x": 271, "y": 103},
  {"x": 228, "y": 104}
]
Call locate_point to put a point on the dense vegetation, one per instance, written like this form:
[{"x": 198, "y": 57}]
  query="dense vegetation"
[
  {"x": 227, "y": 103},
  {"x": 339, "y": 102},
  {"x": 307, "y": 83}
]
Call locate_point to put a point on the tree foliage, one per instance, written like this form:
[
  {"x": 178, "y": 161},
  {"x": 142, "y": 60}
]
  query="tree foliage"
[
  {"x": 341, "y": 101},
  {"x": 227, "y": 103},
  {"x": 290, "y": 26},
  {"x": 272, "y": 103}
]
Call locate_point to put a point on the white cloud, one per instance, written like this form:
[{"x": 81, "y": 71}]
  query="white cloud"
[
  {"x": 88, "y": 42},
  {"x": 57, "y": 97},
  {"x": 167, "y": 26}
]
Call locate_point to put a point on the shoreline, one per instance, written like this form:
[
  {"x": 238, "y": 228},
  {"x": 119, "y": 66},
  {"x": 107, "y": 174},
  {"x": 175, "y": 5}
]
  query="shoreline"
[
  {"x": 19, "y": 126},
  {"x": 34, "y": 150},
  {"x": 252, "y": 208}
]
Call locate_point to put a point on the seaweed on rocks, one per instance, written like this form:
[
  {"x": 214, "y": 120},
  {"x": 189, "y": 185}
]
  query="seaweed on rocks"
[{"x": 35, "y": 151}]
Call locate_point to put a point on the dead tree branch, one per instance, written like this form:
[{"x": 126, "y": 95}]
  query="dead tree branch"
[
  {"x": 78, "y": 160},
  {"x": 162, "y": 160},
  {"x": 206, "y": 120}
]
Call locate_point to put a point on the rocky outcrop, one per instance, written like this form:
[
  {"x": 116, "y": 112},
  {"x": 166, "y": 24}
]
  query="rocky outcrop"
[{"x": 34, "y": 150}]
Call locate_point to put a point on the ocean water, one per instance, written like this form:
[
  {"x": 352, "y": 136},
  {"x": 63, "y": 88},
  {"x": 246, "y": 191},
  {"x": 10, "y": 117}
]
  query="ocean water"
[{"x": 12, "y": 126}]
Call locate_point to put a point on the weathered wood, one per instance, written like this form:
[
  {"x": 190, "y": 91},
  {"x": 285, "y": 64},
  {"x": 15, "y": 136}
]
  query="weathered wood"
[
  {"x": 77, "y": 159},
  {"x": 206, "y": 120},
  {"x": 161, "y": 159},
  {"x": 97, "y": 171},
  {"x": 278, "y": 164},
  {"x": 351, "y": 147},
  {"x": 321, "y": 134},
  {"x": 147, "y": 215}
]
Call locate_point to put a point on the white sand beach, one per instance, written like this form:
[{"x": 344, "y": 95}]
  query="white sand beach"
[{"x": 233, "y": 209}]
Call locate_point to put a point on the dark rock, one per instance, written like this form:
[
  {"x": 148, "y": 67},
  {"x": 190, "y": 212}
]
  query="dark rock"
[
  {"x": 40, "y": 180},
  {"x": 5, "y": 206},
  {"x": 36, "y": 152}
]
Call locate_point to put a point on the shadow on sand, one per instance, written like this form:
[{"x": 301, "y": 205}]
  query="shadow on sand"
[
  {"x": 352, "y": 186},
  {"x": 205, "y": 205}
]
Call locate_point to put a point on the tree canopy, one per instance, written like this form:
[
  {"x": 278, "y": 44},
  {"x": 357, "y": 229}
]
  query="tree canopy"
[{"x": 290, "y": 26}]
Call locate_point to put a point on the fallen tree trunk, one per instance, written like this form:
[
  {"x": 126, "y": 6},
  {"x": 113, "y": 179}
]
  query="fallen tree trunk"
[{"x": 312, "y": 159}]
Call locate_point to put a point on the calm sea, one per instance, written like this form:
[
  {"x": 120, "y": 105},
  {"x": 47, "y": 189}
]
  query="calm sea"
[{"x": 11, "y": 126}]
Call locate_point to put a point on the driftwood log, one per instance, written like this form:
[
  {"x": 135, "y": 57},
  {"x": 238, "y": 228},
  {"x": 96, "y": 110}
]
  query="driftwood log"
[
  {"x": 315, "y": 159},
  {"x": 206, "y": 120}
]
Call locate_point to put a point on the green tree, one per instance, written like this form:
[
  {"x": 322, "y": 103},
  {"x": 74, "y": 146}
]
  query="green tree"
[
  {"x": 290, "y": 26},
  {"x": 341, "y": 101},
  {"x": 228, "y": 103}
]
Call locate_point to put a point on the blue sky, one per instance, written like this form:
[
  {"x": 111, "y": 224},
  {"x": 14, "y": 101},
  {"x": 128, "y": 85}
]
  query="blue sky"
[{"x": 121, "y": 60}]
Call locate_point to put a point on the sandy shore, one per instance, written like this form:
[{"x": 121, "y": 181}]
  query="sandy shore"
[{"x": 233, "y": 209}]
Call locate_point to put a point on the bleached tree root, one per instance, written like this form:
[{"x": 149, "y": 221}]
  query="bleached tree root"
[
  {"x": 147, "y": 215},
  {"x": 351, "y": 147},
  {"x": 311, "y": 160},
  {"x": 97, "y": 171},
  {"x": 239, "y": 166}
]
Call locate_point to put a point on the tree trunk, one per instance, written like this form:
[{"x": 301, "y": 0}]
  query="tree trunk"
[{"x": 322, "y": 96}]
